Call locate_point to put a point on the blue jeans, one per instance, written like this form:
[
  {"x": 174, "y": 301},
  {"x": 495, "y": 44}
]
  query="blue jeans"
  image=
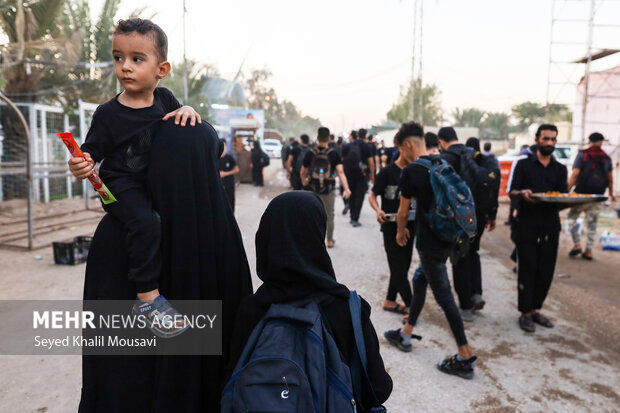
[{"x": 435, "y": 274}]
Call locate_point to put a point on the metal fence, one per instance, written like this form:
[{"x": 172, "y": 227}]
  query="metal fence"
[{"x": 38, "y": 194}]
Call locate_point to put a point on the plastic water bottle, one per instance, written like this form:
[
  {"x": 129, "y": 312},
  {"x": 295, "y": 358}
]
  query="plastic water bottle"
[{"x": 321, "y": 177}]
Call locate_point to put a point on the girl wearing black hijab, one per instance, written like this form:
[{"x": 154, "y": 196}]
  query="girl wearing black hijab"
[
  {"x": 293, "y": 263},
  {"x": 259, "y": 161},
  {"x": 203, "y": 259}
]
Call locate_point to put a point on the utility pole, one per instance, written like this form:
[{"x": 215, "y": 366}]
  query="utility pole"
[
  {"x": 184, "y": 59},
  {"x": 415, "y": 18},
  {"x": 421, "y": 92},
  {"x": 586, "y": 76}
]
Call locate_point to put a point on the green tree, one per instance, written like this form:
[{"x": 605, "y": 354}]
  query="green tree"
[
  {"x": 35, "y": 35},
  {"x": 558, "y": 112},
  {"x": 469, "y": 117},
  {"x": 527, "y": 113},
  {"x": 281, "y": 115},
  {"x": 431, "y": 115},
  {"x": 495, "y": 126}
]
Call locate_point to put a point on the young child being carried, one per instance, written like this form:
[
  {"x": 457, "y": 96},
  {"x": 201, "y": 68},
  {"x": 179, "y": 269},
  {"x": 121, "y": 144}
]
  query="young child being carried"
[{"x": 121, "y": 134}]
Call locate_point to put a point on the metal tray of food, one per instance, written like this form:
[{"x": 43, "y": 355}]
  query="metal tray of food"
[{"x": 572, "y": 198}]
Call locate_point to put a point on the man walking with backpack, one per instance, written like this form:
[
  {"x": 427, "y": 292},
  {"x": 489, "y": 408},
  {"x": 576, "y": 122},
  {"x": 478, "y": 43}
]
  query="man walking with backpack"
[
  {"x": 592, "y": 174},
  {"x": 482, "y": 175},
  {"x": 431, "y": 181},
  {"x": 295, "y": 159},
  {"x": 356, "y": 158},
  {"x": 318, "y": 174},
  {"x": 537, "y": 227}
]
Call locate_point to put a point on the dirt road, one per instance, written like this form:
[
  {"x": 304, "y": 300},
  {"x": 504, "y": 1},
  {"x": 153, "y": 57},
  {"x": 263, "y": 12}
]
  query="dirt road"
[{"x": 571, "y": 368}]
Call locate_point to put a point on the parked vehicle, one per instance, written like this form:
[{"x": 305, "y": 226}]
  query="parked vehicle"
[{"x": 272, "y": 147}]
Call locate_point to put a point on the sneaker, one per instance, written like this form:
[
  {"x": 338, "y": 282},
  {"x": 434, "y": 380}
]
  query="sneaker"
[
  {"x": 345, "y": 210},
  {"x": 356, "y": 224},
  {"x": 161, "y": 318},
  {"x": 458, "y": 367},
  {"x": 478, "y": 302},
  {"x": 467, "y": 315},
  {"x": 394, "y": 337}
]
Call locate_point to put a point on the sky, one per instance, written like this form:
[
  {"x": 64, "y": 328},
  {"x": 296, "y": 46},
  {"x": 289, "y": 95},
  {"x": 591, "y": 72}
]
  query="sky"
[{"x": 345, "y": 61}]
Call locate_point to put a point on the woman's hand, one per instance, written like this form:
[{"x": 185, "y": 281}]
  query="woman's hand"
[{"x": 182, "y": 114}]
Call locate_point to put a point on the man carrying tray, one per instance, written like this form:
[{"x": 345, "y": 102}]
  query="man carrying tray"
[
  {"x": 592, "y": 174},
  {"x": 538, "y": 226}
]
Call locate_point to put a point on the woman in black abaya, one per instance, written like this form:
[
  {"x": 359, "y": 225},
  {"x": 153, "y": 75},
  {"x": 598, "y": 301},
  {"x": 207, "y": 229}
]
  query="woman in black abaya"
[
  {"x": 259, "y": 161},
  {"x": 293, "y": 263},
  {"x": 203, "y": 259}
]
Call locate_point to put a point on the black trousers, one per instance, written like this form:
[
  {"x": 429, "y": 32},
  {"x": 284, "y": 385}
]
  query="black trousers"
[
  {"x": 537, "y": 252},
  {"x": 296, "y": 181},
  {"x": 143, "y": 226},
  {"x": 399, "y": 261},
  {"x": 467, "y": 272},
  {"x": 257, "y": 175},
  {"x": 435, "y": 274},
  {"x": 230, "y": 194},
  {"x": 358, "y": 186}
]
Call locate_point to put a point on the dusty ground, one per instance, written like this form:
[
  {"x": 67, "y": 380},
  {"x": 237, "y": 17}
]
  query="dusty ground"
[{"x": 571, "y": 368}]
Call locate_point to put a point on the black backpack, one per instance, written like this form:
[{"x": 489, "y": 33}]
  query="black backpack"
[
  {"x": 483, "y": 176},
  {"x": 592, "y": 177},
  {"x": 352, "y": 157},
  {"x": 320, "y": 172}
]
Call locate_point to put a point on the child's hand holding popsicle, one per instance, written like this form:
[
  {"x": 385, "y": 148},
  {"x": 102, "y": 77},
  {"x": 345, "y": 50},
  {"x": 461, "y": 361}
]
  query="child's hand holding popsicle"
[{"x": 82, "y": 167}]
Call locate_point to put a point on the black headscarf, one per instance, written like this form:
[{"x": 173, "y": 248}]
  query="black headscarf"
[
  {"x": 257, "y": 153},
  {"x": 291, "y": 258},
  {"x": 473, "y": 143}
]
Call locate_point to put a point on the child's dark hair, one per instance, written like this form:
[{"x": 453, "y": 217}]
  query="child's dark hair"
[
  {"x": 408, "y": 130},
  {"x": 145, "y": 27}
]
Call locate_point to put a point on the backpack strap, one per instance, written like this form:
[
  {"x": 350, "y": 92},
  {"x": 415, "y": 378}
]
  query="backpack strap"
[
  {"x": 424, "y": 162},
  {"x": 359, "y": 374}
]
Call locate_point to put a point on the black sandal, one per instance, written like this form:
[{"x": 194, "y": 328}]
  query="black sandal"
[
  {"x": 399, "y": 309},
  {"x": 526, "y": 323},
  {"x": 574, "y": 252},
  {"x": 542, "y": 320}
]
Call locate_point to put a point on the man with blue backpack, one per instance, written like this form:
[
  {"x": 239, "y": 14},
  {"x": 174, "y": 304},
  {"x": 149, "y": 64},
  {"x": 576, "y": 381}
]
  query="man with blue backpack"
[
  {"x": 482, "y": 174},
  {"x": 445, "y": 219}
]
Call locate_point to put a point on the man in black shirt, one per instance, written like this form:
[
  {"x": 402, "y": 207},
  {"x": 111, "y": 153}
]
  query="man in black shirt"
[
  {"x": 466, "y": 270},
  {"x": 387, "y": 186},
  {"x": 318, "y": 174},
  {"x": 356, "y": 157},
  {"x": 228, "y": 169},
  {"x": 294, "y": 161},
  {"x": 538, "y": 226},
  {"x": 415, "y": 183}
]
